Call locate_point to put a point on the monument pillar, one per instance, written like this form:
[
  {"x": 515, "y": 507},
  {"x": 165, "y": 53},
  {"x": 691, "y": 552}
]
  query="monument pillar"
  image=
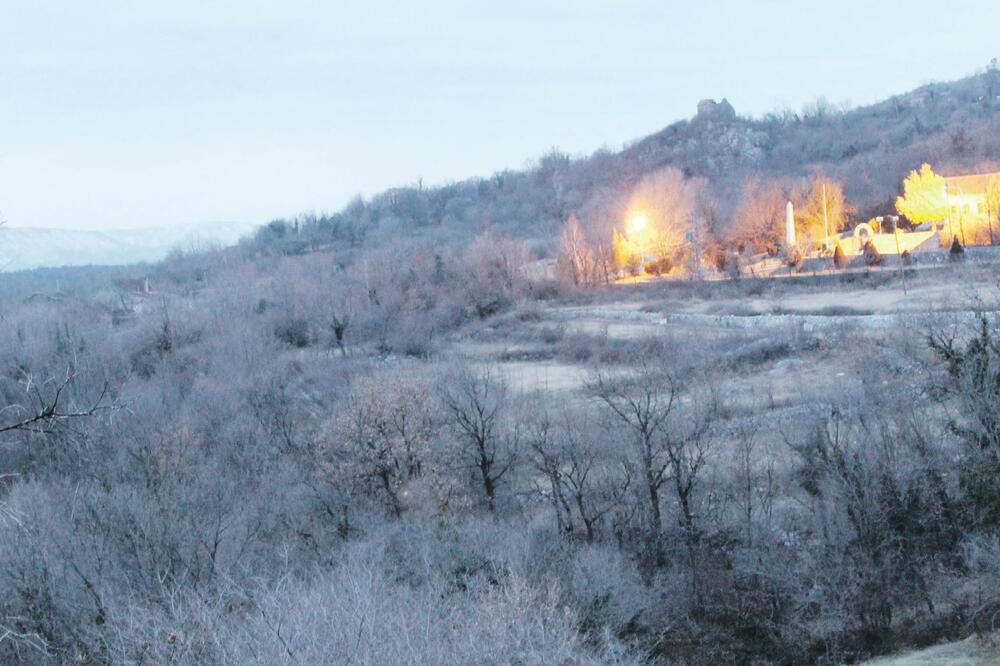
[{"x": 789, "y": 226}]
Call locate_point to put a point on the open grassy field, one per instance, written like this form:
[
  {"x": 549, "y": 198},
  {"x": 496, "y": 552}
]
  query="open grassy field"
[{"x": 772, "y": 344}]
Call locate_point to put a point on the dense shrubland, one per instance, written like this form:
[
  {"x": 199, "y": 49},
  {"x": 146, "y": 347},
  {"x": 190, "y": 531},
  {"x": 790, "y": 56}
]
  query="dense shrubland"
[{"x": 288, "y": 460}]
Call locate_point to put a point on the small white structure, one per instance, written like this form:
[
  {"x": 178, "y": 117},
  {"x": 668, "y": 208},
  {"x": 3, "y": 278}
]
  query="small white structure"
[{"x": 789, "y": 225}]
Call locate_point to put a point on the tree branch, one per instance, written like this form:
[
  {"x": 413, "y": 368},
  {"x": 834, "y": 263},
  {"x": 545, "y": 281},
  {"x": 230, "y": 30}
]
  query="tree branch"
[{"x": 49, "y": 413}]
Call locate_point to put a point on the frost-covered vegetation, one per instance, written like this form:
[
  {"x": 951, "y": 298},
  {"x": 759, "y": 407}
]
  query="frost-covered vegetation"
[
  {"x": 383, "y": 436},
  {"x": 282, "y": 460}
]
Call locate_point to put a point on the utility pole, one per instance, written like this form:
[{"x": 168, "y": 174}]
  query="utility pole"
[
  {"x": 899, "y": 255},
  {"x": 947, "y": 203},
  {"x": 989, "y": 218}
]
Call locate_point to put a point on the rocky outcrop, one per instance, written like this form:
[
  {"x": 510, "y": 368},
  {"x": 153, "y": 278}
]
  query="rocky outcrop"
[{"x": 709, "y": 109}]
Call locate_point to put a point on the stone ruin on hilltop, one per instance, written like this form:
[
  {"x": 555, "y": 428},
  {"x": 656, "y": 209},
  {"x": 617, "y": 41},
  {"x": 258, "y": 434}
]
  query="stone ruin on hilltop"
[{"x": 709, "y": 109}]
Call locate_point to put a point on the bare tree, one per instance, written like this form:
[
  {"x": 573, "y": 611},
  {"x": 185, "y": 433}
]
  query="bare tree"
[
  {"x": 385, "y": 300},
  {"x": 644, "y": 404},
  {"x": 604, "y": 263},
  {"x": 668, "y": 442},
  {"x": 479, "y": 405},
  {"x": 385, "y": 430},
  {"x": 881, "y": 515},
  {"x": 666, "y": 427},
  {"x": 495, "y": 272},
  {"x": 342, "y": 309},
  {"x": 584, "y": 482},
  {"x": 755, "y": 486},
  {"x": 972, "y": 365},
  {"x": 575, "y": 261},
  {"x": 968, "y": 387},
  {"x": 759, "y": 217}
]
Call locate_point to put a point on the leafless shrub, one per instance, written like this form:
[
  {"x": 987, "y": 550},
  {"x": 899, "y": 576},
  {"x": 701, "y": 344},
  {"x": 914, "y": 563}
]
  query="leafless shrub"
[{"x": 383, "y": 436}]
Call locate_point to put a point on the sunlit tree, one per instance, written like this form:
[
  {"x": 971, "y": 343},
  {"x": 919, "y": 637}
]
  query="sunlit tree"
[
  {"x": 993, "y": 207},
  {"x": 669, "y": 204},
  {"x": 924, "y": 196},
  {"x": 759, "y": 219},
  {"x": 626, "y": 254},
  {"x": 822, "y": 209}
]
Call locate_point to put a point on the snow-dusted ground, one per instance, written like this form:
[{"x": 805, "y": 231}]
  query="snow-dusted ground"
[{"x": 23, "y": 248}]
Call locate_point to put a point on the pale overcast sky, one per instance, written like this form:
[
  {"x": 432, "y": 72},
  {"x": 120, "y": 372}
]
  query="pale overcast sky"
[{"x": 132, "y": 113}]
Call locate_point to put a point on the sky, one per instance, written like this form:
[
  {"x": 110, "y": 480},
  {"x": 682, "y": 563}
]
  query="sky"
[{"x": 146, "y": 114}]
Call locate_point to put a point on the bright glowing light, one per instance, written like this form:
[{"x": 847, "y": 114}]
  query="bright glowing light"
[{"x": 637, "y": 224}]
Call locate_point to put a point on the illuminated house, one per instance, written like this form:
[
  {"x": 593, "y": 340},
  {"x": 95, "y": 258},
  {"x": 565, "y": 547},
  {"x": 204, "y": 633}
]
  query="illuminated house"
[{"x": 968, "y": 200}]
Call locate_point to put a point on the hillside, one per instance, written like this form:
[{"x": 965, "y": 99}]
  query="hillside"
[
  {"x": 23, "y": 248},
  {"x": 955, "y": 126},
  {"x": 379, "y": 437}
]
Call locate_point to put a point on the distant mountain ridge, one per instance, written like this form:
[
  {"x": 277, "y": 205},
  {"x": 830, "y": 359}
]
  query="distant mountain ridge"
[{"x": 24, "y": 248}]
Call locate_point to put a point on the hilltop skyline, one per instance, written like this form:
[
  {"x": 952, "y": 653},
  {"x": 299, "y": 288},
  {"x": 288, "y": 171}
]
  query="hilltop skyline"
[{"x": 126, "y": 118}]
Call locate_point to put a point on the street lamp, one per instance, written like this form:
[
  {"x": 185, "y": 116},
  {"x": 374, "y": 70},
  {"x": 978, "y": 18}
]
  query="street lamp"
[
  {"x": 637, "y": 228},
  {"x": 637, "y": 224}
]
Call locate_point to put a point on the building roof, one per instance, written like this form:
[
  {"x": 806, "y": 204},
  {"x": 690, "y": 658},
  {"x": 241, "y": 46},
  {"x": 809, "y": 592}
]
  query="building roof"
[{"x": 971, "y": 184}]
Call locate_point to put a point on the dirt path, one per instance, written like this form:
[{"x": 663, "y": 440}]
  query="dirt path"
[{"x": 629, "y": 320}]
